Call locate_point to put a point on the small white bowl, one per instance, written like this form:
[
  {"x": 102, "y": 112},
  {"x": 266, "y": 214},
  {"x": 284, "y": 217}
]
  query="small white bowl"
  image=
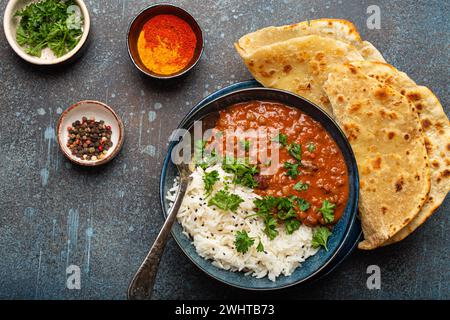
[
  {"x": 10, "y": 24},
  {"x": 100, "y": 111}
]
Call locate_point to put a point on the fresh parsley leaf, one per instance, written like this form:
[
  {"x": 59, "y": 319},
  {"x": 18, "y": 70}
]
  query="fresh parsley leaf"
[
  {"x": 320, "y": 237},
  {"x": 243, "y": 172},
  {"x": 285, "y": 215},
  {"x": 265, "y": 205},
  {"x": 327, "y": 211},
  {"x": 292, "y": 225},
  {"x": 260, "y": 247},
  {"x": 209, "y": 179},
  {"x": 199, "y": 149},
  {"x": 295, "y": 150},
  {"x": 242, "y": 241},
  {"x": 225, "y": 200},
  {"x": 300, "y": 186},
  {"x": 311, "y": 147},
  {"x": 49, "y": 23},
  {"x": 270, "y": 227},
  {"x": 284, "y": 204},
  {"x": 246, "y": 145},
  {"x": 201, "y": 156},
  {"x": 281, "y": 139},
  {"x": 292, "y": 169},
  {"x": 303, "y": 205}
]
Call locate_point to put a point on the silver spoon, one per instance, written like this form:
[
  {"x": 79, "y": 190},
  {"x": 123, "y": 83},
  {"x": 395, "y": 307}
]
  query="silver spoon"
[{"x": 141, "y": 287}]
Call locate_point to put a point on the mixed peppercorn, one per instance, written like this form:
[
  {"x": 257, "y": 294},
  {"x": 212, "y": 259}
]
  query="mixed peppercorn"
[{"x": 89, "y": 139}]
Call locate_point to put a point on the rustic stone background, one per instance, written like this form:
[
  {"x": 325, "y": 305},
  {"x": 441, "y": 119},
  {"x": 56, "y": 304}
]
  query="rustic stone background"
[{"x": 53, "y": 214}]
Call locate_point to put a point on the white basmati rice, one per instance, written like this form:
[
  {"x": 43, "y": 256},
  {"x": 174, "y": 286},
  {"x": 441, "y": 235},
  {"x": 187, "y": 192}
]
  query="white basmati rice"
[{"x": 212, "y": 231}]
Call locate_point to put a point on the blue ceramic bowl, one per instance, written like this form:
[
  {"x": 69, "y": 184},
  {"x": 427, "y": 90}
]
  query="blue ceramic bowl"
[{"x": 339, "y": 243}]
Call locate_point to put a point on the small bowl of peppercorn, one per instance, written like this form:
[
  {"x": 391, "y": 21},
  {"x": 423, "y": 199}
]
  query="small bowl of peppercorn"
[{"x": 90, "y": 133}]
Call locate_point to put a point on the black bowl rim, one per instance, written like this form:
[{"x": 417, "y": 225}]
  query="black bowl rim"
[
  {"x": 354, "y": 207},
  {"x": 154, "y": 75}
]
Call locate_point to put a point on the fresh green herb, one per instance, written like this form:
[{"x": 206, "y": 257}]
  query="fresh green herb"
[
  {"x": 243, "y": 172},
  {"x": 207, "y": 162},
  {"x": 201, "y": 156},
  {"x": 296, "y": 151},
  {"x": 292, "y": 169},
  {"x": 285, "y": 215},
  {"x": 281, "y": 139},
  {"x": 49, "y": 23},
  {"x": 311, "y": 147},
  {"x": 320, "y": 237},
  {"x": 265, "y": 205},
  {"x": 285, "y": 210},
  {"x": 327, "y": 211},
  {"x": 242, "y": 241},
  {"x": 303, "y": 205},
  {"x": 260, "y": 247},
  {"x": 225, "y": 200},
  {"x": 300, "y": 186},
  {"x": 268, "y": 163},
  {"x": 292, "y": 225},
  {"x": 209, "y": 179},
  {"x": 246, "y": 145},
  {"x": 199, "y": 149},
  {"x": 284, "y": 204}
]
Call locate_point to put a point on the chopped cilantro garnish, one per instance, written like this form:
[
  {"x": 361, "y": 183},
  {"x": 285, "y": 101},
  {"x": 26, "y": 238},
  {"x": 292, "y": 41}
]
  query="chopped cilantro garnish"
[
  {"x": 271, "y": 225},
  {"x": 209, "y": 179},
  {"x": 292, "y": 169},
  {"x": 300, "y": 186},
  {"x": 292, "y": 225},
  {"x": 311, "y": 147},
  {"x": 199, "y": 149},
  {"x": 296, "y": 151},
  {"x": 320, "y": 237},
  {"x": 225, "y": 200},
  {"x": 265, "y": 205},
  {"x": 327, "y": 211},
  {"x": 242, "y": 241},
  {"x": 260, "y": 247},
  {"x": 49, "y": 24},
  {"x": 284, "y": 209},
  {"x": 303, "y": 205},
  {"x": 281, "y": 139},
  {"x": 243, "y": 172}
]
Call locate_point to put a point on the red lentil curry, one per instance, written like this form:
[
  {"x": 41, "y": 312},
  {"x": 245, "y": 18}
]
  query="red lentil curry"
[
  {"x": 311, "y": 168},
  {"x": 166, "y": 44}
]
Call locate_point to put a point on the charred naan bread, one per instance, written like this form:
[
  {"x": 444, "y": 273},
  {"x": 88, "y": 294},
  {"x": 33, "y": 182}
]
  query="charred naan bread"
[
  {"x": 436, "y": 130},
  {"x": 300, "y": 65},
  {"x": 337, "y": 29},
  {"x": 386, "y": 136}
]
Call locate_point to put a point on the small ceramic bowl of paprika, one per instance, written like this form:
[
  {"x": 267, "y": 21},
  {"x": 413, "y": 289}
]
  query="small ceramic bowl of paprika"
[
  {"x": 164, "y": 41},
  {"x": 89, "y": 125},
  {"x": 78, "y": 17}
]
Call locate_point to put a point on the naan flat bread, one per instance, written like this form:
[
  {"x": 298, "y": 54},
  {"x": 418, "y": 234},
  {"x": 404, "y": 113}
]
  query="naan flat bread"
[
  {"x": 337, "y": 29},
  {"x": 387, "y": 140},
  {"x": 300, "y": 65},
  {"x": 436, "y": 130}
]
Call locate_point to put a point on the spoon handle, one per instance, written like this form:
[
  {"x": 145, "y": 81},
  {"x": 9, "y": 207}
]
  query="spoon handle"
[{"x": 141, "y": 287}]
